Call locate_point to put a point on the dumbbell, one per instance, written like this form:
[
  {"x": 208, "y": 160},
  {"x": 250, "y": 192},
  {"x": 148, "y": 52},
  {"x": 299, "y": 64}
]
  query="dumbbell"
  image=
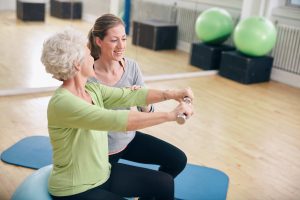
[{"x": 181, "y": 118}]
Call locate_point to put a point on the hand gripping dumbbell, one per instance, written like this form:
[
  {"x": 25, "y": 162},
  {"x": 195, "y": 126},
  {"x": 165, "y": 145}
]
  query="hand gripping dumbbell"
[{"x": 181, "y": 118}]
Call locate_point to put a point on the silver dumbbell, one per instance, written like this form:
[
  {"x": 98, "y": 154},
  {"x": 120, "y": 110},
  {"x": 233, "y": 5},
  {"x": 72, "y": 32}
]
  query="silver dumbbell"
[{"x": 181, "y": 118}]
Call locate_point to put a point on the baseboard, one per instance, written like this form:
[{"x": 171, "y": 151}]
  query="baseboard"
[
  {"x": 285, "y": 77},
  {"x": 184, "y": 46}
]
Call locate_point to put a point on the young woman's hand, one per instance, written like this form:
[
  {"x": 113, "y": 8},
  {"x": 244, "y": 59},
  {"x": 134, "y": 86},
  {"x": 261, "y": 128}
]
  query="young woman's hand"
[{"x": 134, "y": 87}]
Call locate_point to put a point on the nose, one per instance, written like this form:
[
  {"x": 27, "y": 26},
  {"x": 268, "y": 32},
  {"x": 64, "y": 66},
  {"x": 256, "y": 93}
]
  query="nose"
[{"x": 121, "y": 44}]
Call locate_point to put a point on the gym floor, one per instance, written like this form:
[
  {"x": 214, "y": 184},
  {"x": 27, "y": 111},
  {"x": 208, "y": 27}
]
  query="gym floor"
[{"x": 250, "y": 132}]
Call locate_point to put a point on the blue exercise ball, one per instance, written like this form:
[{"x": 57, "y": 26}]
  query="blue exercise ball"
[{"x": 34, "y": 187}]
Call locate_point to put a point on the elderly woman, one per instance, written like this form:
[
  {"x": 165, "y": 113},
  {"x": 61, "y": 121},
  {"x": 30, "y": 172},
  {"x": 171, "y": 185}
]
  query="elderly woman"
[{"x": 79, "y": 116}]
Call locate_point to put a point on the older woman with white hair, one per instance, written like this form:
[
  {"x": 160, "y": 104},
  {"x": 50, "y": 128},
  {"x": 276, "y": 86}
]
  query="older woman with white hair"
[{"x": 79, "y": 116}]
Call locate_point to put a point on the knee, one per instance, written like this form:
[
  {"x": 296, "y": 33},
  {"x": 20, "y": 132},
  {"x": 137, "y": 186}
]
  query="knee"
[
  {"x": 181, "y": 160},
  {"x": 175, "y": 163}
]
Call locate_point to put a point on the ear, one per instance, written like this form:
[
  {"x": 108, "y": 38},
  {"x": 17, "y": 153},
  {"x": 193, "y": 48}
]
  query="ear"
[
  {"x": 98, "y": 41},
  {"x": 77, "y": 66}
]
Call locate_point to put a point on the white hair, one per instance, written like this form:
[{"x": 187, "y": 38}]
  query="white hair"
[{"x": 62, "y": 51}]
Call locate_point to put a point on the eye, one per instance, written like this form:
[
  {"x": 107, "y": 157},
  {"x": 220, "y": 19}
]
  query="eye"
[
  {"x": 124, "y": 39},
  {"x": 114, "y": 40}
]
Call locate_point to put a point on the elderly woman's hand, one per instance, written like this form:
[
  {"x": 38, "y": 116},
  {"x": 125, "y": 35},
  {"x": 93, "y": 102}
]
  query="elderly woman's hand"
[
  {"x": 182, "y": 108},
  {"x": 181, "y": 94}
]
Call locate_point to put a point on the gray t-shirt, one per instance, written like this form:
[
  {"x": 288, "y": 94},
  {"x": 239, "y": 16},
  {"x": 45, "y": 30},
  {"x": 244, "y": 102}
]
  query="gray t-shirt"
[{"x": 132, "y": 75}]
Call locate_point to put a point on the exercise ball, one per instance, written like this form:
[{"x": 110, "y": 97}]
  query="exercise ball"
[
  {"x": 214, "y": 26},
  {"x": 255, "y": 36},
  {"x": 35, "y": 186}
]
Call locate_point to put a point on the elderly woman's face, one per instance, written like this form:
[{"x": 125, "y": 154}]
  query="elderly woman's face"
[
  {"x": 87, "y": 68},
  {"x": 114, "y": 43}
]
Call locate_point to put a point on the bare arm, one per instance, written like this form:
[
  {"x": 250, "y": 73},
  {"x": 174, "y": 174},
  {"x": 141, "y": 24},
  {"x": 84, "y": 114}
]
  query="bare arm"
[
  {"x": 139, "y": 120},
  {"x": 155, "y": 96},
  {"x": 147, "y": 108}
]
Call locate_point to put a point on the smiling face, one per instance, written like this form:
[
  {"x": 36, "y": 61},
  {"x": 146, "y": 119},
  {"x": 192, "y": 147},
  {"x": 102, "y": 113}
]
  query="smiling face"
[{"x": 113, "y": 44}]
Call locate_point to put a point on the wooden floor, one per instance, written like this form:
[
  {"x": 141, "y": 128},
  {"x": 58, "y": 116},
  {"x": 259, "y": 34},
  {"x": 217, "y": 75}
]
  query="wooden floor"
[{"x": 250, "y": 132}]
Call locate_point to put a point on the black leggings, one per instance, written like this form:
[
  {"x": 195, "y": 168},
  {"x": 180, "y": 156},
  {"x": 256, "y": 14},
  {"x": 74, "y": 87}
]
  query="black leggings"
[
  {"x": 151, "y": 150},
  {"x": 129, "y": 181}
]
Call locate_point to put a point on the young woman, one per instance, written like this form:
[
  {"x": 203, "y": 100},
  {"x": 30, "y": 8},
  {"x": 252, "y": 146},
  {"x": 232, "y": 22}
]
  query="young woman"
[
  {"x": 79, "y": 116},
  {"x": 107, "y": 42}
]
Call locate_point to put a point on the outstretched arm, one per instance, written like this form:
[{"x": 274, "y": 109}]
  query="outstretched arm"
[
  {"x": 139, "y": 120},
  {"x": 155, "y": 96}
]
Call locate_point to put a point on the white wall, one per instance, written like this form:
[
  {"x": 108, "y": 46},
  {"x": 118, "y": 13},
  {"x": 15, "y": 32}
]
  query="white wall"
[
  {"x": 94, "y": 8},
  {"x": 7, "y": 5}
]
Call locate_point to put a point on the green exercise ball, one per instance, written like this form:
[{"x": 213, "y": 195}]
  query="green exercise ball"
[
  {"x": 255, "y": 36},
  {"x": 214, "y": 26}
]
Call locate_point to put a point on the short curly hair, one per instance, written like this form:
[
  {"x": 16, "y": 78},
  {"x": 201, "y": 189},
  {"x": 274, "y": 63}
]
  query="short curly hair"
[{"x": 62, "y": 51}]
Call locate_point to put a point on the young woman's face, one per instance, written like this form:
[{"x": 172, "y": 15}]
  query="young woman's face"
[{"x": 114, "y": 43}]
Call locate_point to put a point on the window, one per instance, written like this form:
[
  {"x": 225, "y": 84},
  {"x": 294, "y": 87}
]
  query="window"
[{"x": 295, "y": 3}]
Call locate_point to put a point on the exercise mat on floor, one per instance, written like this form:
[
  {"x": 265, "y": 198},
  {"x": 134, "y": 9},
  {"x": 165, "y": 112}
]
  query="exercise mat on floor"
[
  {"x": 32, "y": 152},
  {"x": 193, "y": 183},
  {"x": 196, "y": 182}
]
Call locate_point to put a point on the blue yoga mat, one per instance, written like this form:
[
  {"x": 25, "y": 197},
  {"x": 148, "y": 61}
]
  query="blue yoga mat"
[
  {"x": 193, "y": 183},
  {"x": 196, "y": 182},
  {"x": 31, "y": 152}
]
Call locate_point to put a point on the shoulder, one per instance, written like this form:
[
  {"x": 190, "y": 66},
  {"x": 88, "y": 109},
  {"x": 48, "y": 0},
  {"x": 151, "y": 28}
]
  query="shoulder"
[
  {"x": 132, "y": 67},
  {"x": 98, "y": 89},
  {"x": 93, "y": 86},
  {"x": 131, "y": 63},
  {"x": 59, "y": 95},
  {"x": 60, "y": 102}
]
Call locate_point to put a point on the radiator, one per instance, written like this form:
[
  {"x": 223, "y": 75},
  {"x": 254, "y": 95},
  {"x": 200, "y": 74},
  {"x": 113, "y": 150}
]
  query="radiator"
[
  {"x": 286, "y": 52},
  {"x": 186, "y": 19}
]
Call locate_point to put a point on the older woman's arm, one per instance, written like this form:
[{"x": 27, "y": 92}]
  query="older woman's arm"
[
  {"x": 122, "y": 97},
  {"x": 155, "y": 96},
  {"x": 138, "y": 120},
  {"x": 68, "y": 111}
]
